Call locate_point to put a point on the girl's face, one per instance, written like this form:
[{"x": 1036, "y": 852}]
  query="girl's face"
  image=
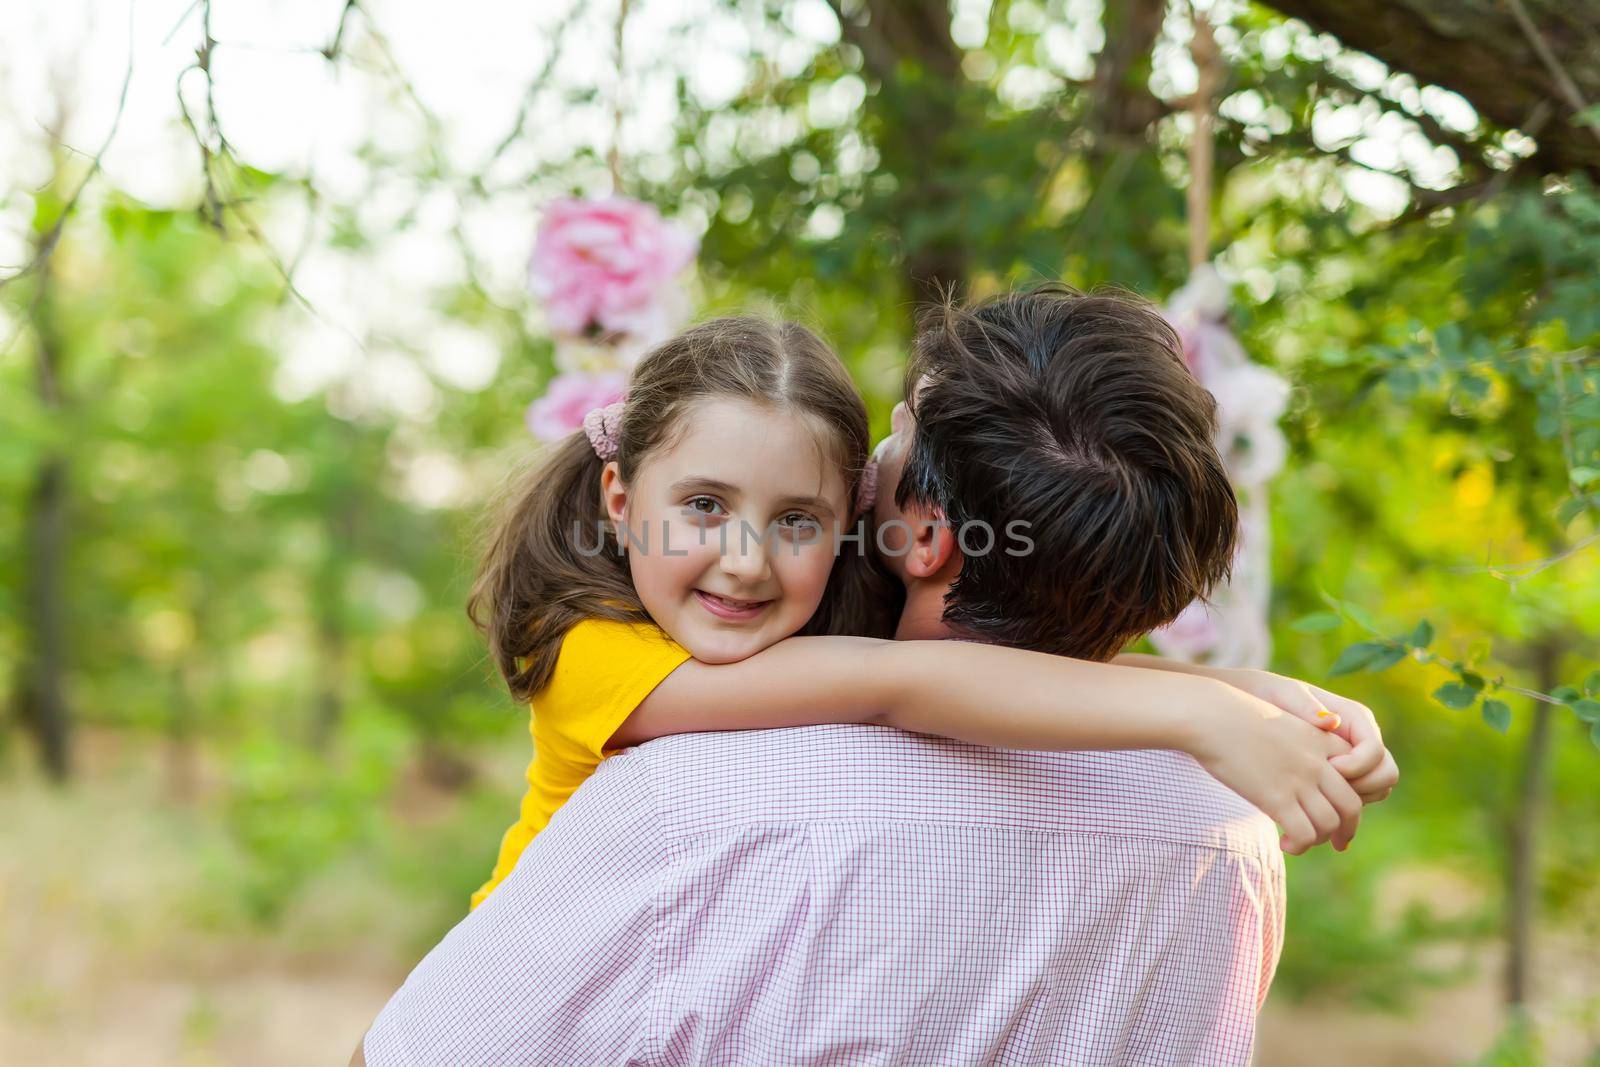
[{"x": 729, "y": 531}]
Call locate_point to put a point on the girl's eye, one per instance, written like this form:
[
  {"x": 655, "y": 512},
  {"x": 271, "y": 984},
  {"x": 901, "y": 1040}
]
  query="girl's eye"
[
  {"x": 704, "y": 505},
  {"x": 799, "y": 520}
]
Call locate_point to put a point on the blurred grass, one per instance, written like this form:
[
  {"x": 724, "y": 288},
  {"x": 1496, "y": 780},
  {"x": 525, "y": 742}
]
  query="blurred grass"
[{"x": 136, "y": 927}]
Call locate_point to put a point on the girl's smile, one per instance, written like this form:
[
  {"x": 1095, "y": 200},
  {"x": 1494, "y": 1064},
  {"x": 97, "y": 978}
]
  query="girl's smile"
[{"x": 730, "y": 609}]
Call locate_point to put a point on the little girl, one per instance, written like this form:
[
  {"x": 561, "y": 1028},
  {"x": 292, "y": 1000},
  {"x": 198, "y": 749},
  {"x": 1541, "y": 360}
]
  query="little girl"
[{"x": 650, "y": 579}]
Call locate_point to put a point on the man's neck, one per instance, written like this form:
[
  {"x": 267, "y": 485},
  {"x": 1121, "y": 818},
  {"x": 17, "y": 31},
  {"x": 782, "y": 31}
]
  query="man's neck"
[{"x": 923, "y": 616}]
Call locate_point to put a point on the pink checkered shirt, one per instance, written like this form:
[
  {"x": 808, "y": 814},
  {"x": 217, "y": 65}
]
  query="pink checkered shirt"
[{"x": 858, "y": 895}]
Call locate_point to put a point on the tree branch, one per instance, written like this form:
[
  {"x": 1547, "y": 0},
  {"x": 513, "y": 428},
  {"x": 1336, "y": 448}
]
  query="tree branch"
[
  {"x": 1558, "y": 72},
  {"x": 46, "y": 245},
  {"x": 879, "y": 50},
  {"x": 1482, "y": 50}
]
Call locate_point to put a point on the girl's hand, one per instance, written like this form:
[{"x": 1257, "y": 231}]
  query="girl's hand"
[
  {"x": 1368, "y": 766},
  {"x": 1282, "y": 765}
]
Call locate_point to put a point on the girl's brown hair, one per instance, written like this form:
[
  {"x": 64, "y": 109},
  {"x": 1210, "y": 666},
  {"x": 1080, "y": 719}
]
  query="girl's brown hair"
[{"x": 540, "y": 572}]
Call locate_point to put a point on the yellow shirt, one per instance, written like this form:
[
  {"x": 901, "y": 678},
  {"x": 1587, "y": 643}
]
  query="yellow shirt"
[{"x": 604, "y": 670}]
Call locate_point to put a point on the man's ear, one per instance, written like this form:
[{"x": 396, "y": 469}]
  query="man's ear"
[
  {"x": 613, "y": 494},
  {"x": 933, "y": 546}
]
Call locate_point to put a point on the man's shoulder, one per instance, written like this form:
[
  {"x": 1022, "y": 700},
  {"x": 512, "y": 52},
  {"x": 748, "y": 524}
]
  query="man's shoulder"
[{"x": 715, "y": 781}]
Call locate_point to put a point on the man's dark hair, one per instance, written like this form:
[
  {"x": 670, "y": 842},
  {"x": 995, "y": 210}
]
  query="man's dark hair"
[{"x": 1076, "y": 414}]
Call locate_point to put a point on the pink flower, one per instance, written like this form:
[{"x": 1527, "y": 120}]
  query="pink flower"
[
  {"x": 606, "y": 264},
  {"x": 570, "y": 397},
  {"x": 1196, "y": 631}
]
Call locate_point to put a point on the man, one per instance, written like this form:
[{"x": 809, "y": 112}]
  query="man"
[{"x": 854, "y": 894}]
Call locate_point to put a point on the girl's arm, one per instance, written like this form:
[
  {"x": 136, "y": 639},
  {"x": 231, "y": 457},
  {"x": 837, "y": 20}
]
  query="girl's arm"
[
  {"x": 1368, "y": 766},
  {"x": 1010, "y": 698}
]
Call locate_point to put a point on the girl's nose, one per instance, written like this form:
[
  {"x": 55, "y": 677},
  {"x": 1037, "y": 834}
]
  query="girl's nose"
[{"x": 744, "y": 557}]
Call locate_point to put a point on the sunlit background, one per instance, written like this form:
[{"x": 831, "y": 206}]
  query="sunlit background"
[{"x": 267, "y": 344}]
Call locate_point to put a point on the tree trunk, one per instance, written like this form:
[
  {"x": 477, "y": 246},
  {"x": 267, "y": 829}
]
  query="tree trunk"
[
  {"x": 332, "y": 618},
  {"x": 189, "y": 699},
  {"x": 330, "y": 680},
  {"x": 43, "y": 702},
  {"x": 906, "y": 46},
  {"x": 1124, "y": 105},
  {"x": 1480, "y": 49},
  {"x": 182, "y": 759},
  {"x": 1522, "y": 899}
]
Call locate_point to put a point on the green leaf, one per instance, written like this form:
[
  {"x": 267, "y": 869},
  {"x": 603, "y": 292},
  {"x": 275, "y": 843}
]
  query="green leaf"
[
  {"x": 1472, "y": 680},
  {"x": 1317, "y": 623},
  {"x": 1571, "y": 509},
  {"x": 1388, "y": 658},
  {"x": 1455, "y": 695},
  {"x": 1565, "y": 693},
  {"x": 1587, "y": 710},
  {"x": 1448, "y": 338},
  {"x": 1589, "y": 116},
  {"x": 1594, "y": 734},
  {"x": 1403, "y": 382},
  {"x": 1583, "y": 476},
  {"x": 1356, "y": 657},
  {"x": 1360, "y": 615},
  {"x": 1354, "y": 612},
  {"x": 1591, "y": 684},
  {"x": 1497, "y": 713},
  {"x": 1422, "y": 636}
]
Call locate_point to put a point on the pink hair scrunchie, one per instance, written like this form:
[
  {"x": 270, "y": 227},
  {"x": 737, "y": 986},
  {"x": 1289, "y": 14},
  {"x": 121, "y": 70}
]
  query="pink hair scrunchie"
[
  {"x": 867, "y": 492},
  {"x": 603, "y": 428}
]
